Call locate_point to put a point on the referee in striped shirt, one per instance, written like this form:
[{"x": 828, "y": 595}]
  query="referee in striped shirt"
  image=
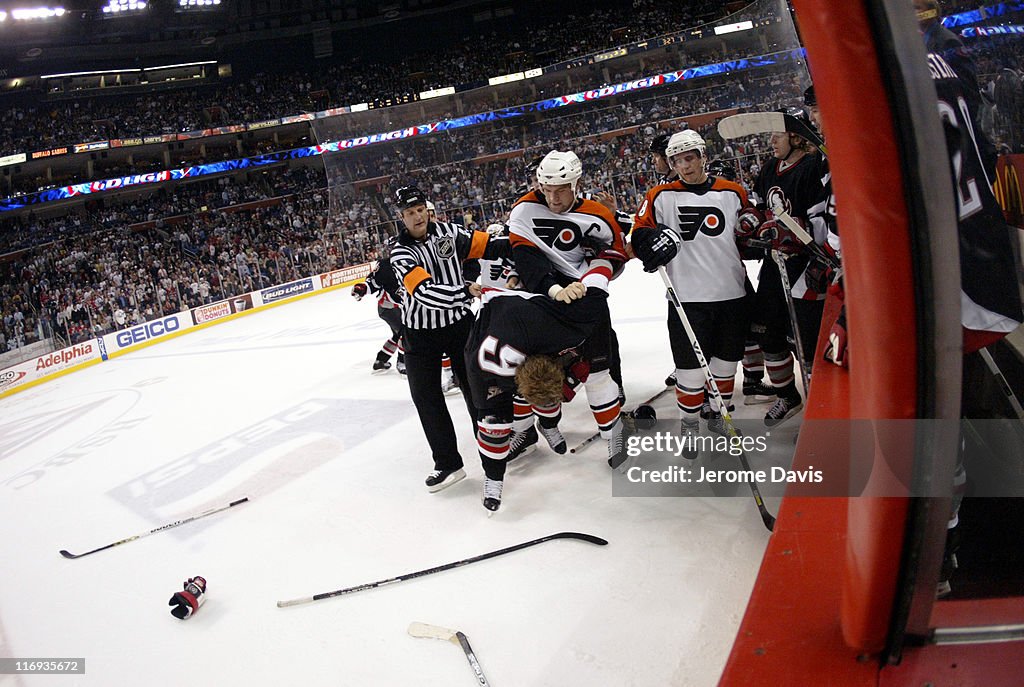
[{"x": 437, "y": 317}]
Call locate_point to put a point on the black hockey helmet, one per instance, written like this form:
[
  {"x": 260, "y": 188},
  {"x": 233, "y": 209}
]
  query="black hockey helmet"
[
  {"x": 798, "y": 112},
  {"x": 659, "y": 144},
  {"x": 409, "y": 196},
  {"x": 721, "y": 168},
  {"x": 810, "y": 100}
]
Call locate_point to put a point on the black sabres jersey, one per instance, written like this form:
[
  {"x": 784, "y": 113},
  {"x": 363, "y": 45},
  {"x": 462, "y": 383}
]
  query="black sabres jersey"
[
  {"x": 515, "y": 325},
  {"x": 799, "y": 190},
  {"x": 384, "y": 284},
  {"x": 990, "y": 294},
  {"x": 796, "y": 187}
]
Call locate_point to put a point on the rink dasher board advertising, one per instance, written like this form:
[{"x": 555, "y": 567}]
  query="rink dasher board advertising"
[{"x": 28, "y": 373}]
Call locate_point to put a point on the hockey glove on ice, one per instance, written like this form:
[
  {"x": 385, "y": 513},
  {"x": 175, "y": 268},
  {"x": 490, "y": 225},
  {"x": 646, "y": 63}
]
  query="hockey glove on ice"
[
  {"x": 188, "y": 601},
  {"x": 359, "y": 290},
  {"x": 655, "y": 247}
]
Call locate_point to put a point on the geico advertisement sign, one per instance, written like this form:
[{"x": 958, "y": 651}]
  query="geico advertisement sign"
[{"x": 145, "y": 332}]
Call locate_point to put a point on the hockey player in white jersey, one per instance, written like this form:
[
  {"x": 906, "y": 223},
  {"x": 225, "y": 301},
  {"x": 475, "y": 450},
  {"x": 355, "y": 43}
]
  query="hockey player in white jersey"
[
  {"x": 690, "y": 226},
  {"x": 558, "y": 238}
]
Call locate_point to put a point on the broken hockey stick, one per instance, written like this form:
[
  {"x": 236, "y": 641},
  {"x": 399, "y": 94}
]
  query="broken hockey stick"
[
  {"x": 597, "y": 435},
  {"x": 589, "y": 538},
  {"x": 168, "y": 526},
  {"x": 767, "y": 518},
  {"x": 804, "y": 237},
  {"x": 753, "y": 123},
  {"x": 424, "y": 631},
  {"x": 787, "y": 293}
]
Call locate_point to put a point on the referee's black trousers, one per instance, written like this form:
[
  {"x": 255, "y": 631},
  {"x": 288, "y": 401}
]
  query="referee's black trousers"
[{"x": 423, "y": 351}]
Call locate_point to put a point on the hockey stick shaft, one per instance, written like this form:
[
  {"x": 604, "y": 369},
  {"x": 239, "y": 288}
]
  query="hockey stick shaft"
[
  {"x": 168, "y": 526},
  {"x": 805, "y": 238},
  {"x": 440, "y": 568},
  {"x": 767, "y": 518},
  {"x": 787, "y": 293},
  {"x": 1001, "y": 381},
  {"x": 597, "y": 435}
]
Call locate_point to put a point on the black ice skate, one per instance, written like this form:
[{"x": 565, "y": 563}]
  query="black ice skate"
[
  {"x": 442, "y": 479},
  {"x": 689, "y": 432},
  {"x": 522, "y": 443},
  {"x": 782, "y": 410},
  {"x": 554, "y": 438},
  {"x": 492, "y": 494},
  {"x": 380, "y": 366},
  {"x": 757, "y": 392}
]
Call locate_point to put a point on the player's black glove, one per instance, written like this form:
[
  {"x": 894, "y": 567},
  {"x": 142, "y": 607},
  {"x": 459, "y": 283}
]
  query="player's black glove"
[
  {"x": 817, "y": 275},
  {"x": 188, "y": 601},
  {"x": 655, "y": 247},
  {"x": 359, "y": 290}
]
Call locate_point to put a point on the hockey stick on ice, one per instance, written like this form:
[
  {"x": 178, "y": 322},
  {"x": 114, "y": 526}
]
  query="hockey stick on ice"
[
  {"x": 168, "y": 526},
  {"x": 753, "y": 123},
  {"x": 424, "y": 631},
  {"x": 787, "y": 293},
  {"x": 589, "y": 538},
  {"x": 767, "y": 518},
  {"x": 597, "y": 435}
]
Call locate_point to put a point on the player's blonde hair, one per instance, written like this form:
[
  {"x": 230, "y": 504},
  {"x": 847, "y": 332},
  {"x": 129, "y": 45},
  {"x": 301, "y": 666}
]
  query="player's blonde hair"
[{"x": 539, "y": 380}]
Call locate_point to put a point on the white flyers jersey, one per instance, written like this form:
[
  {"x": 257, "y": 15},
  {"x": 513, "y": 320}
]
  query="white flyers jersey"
[
  {"x": 567, "y": 239},
  {"x": 707, "y": 267}
]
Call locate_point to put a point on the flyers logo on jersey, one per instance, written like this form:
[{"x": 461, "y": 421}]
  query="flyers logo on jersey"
[
  {"x": 694, "y": 220},
  {"x": 560, "y": 234}
]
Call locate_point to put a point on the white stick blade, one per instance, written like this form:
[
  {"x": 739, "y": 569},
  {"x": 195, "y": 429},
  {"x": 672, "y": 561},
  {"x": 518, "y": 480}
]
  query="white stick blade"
[
  {"x": 751, "y": 123},
  {"x": 425, "y": 631}
]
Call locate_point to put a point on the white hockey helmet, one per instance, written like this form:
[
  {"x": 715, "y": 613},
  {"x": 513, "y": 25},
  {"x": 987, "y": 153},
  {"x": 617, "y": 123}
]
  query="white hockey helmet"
[
  {"x": 495, "y": 229},
  {"x": 559, "y": 168},
  {"x": 430, "y": 206},
  {"x": 683, "y": 141}
]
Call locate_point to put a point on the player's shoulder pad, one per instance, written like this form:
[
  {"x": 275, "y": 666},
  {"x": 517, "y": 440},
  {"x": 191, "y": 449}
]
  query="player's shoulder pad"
[
  {"x": 720, "y": 184},
  {"x": 592, "y": 207},
  {"x": 531, "y": 197},
  {"x": 675, "y": 185}
]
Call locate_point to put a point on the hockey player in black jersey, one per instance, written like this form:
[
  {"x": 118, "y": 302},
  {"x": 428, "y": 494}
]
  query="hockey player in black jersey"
[
  {"x": 525, "y": 341},
  {"x": 382, "y": 283},
  {"x": 791, "y": 181}
]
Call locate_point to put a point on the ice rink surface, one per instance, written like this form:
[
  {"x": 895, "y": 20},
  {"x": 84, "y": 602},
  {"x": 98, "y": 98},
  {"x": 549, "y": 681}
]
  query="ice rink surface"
[{"x": 280, "y": 406}]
